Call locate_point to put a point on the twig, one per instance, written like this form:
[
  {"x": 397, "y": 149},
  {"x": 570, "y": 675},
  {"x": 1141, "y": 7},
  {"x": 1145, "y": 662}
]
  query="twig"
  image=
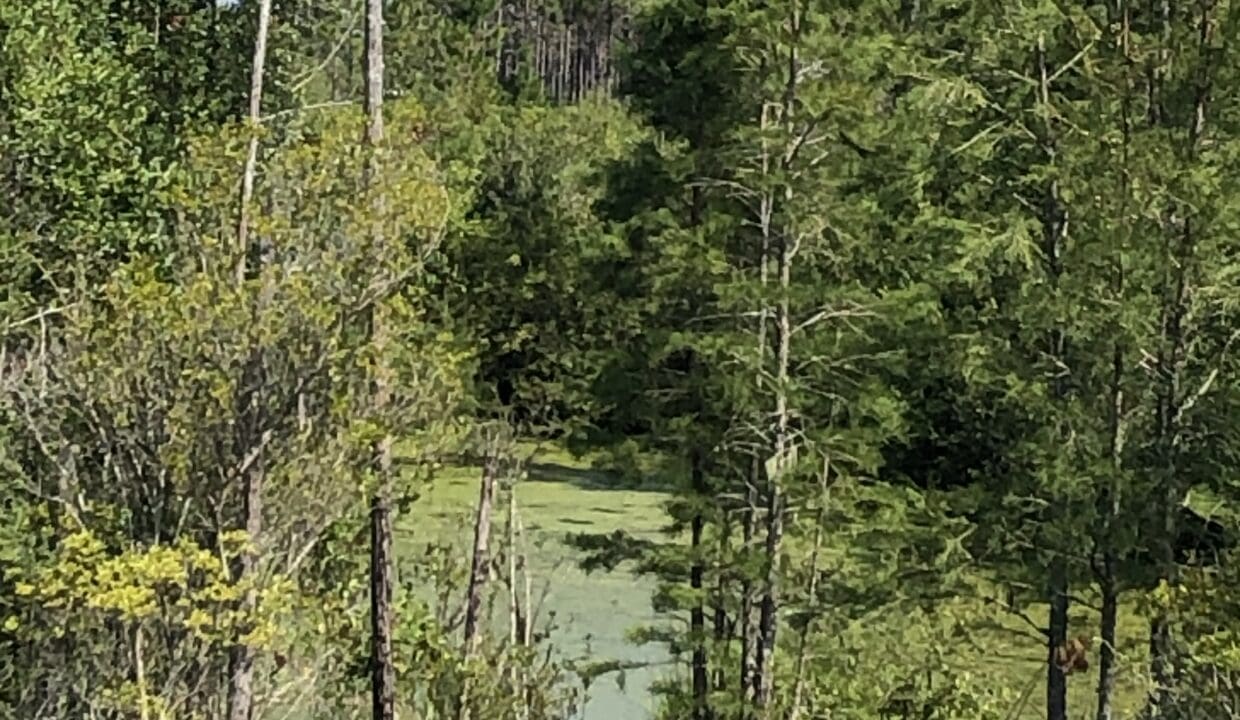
[{"x": 344, "y": 37}]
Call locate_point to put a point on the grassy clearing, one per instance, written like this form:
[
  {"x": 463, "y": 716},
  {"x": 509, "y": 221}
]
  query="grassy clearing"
[{"x": 1011, "y": 655}]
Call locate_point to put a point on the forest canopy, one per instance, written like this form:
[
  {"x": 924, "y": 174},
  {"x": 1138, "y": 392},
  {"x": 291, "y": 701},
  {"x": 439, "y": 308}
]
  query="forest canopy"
[{"x": 674, "y": 359}]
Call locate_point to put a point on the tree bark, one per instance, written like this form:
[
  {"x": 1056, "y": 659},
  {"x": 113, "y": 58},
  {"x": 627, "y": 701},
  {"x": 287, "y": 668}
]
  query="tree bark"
[
  {"x": 1057, "y": 637},
  {"x": 1108, "y": 501},
  {"x": 1170, "y": 363},
  {"x": 1054, "y": 224},
  {"x": 1106, "y": 653},
  {"x": 480, "y": 567},
  {"x": 747, "y": 630},
  {"x": 382, "y": 668},
  {"x": 750, "y": 519},
  {"x": 768, "y": 621},
  {"x": 255, "y": 117},
  {"x": 723, "y": 626},
  {"x": 241, "y": 655},
  {"x": 798, "y": 688},
  {"x": 1108, "y": 509},
  {"x": 697, "y": 613}
]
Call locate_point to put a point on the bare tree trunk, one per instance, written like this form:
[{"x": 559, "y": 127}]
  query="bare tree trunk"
[
  {"x": 750, "y": 519},
  {"x": 565, "y": 38},
  {"x": 527, "y": 585},
  {"x": 1106, "y": 654},
  {"x": 697, "y": 614},
  {"x": 1171, "y": 360},
  {"x": 1109, "y": 501},
  {"x": 499, "y": 42},
  {"x": 516, "y": 622},
  {"x": 723, "y": 627},
  {"x": 139, "y": 664},
  {"x": 768, "y": 620},
  {"x": 514, "y": 604},
  {"x": 382, "y": 668},
  {"x": 1108, "y": 508},
  {"x": 1054, "y": 224},
  {"x": 241, "y": 656},
  {"x": 798, "y": 688},
  {"x": 747, "y": 630},
  {"x": 480, "y": 567},
  {"x": 254, "y": 118},
  {"x": 1057, "y": 638}
]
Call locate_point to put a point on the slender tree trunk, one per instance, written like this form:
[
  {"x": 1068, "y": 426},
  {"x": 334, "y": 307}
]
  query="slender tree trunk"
[
  {"x": 747, "y": 629},
  {"x": 241, "y": 656},
  {"x": 516, "y": 619},
  {"x": 768, "y": 620},
  {"x": 697, "y": 614},
  {"x": 1171, "y": 357},
  {"x": 479, "y": 569},
  {"x": 723, "y": 627},
  {"x": 1056, "y": 680},
  {"x": 499, "y": 43},
  {"x": 1108, "y": 508},
  {"x": 382, "y": 668},
  {"x": 527, "y": 586},
  {"x": 514, "y": 603},
  {"x": 697, "y": 569},
  {"x": 754, "y": 480},
  {"x": 768, "y": 617},
  {"x": 254, "y": 118},
  {"x": 798, "y": 688},
  {"x": 1106, "y": 654},
  {"x": 1109, "y": 501},
  {"x": 1054, "y": 223},
  {"x": 565, "y": 58}
]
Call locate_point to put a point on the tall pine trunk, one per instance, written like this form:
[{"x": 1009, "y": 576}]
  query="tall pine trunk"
[
  {"x": 748, "y": 631},
  {"x": 723, "y": 625},
  {"x": 697, "y": 613},
  {"x": 1054, "y": 224},
  {"x": 1181, "y": 262},
  {"x": 254, "y": 117},
  {"x": 768, "y": 614},
  {"x": 250, "y": 445},
  {"x": 1106, "y": 654},
  {"x": 811, "y": 592},
  {"x": 1057, "y": 638},
  {"x": 382, "y": 668},
  {"x": 1109, "y": 499},
  {"x": 1108, "y": 511}
]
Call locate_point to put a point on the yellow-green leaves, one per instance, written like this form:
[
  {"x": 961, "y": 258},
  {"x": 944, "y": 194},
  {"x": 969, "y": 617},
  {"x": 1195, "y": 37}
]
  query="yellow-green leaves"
[{"x": 182, "y": 586}]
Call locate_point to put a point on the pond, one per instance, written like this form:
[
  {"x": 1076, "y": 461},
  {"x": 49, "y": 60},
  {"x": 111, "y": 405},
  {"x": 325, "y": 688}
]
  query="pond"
[{"x": 593, "y": 612}]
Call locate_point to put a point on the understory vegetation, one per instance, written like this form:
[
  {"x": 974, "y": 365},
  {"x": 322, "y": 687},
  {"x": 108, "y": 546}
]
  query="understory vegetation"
[{"x": 607, "y": 359}]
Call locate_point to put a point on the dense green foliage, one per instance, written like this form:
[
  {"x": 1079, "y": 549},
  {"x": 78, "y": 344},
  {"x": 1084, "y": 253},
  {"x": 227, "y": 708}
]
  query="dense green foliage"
[{"x": 925, "y": 316}]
